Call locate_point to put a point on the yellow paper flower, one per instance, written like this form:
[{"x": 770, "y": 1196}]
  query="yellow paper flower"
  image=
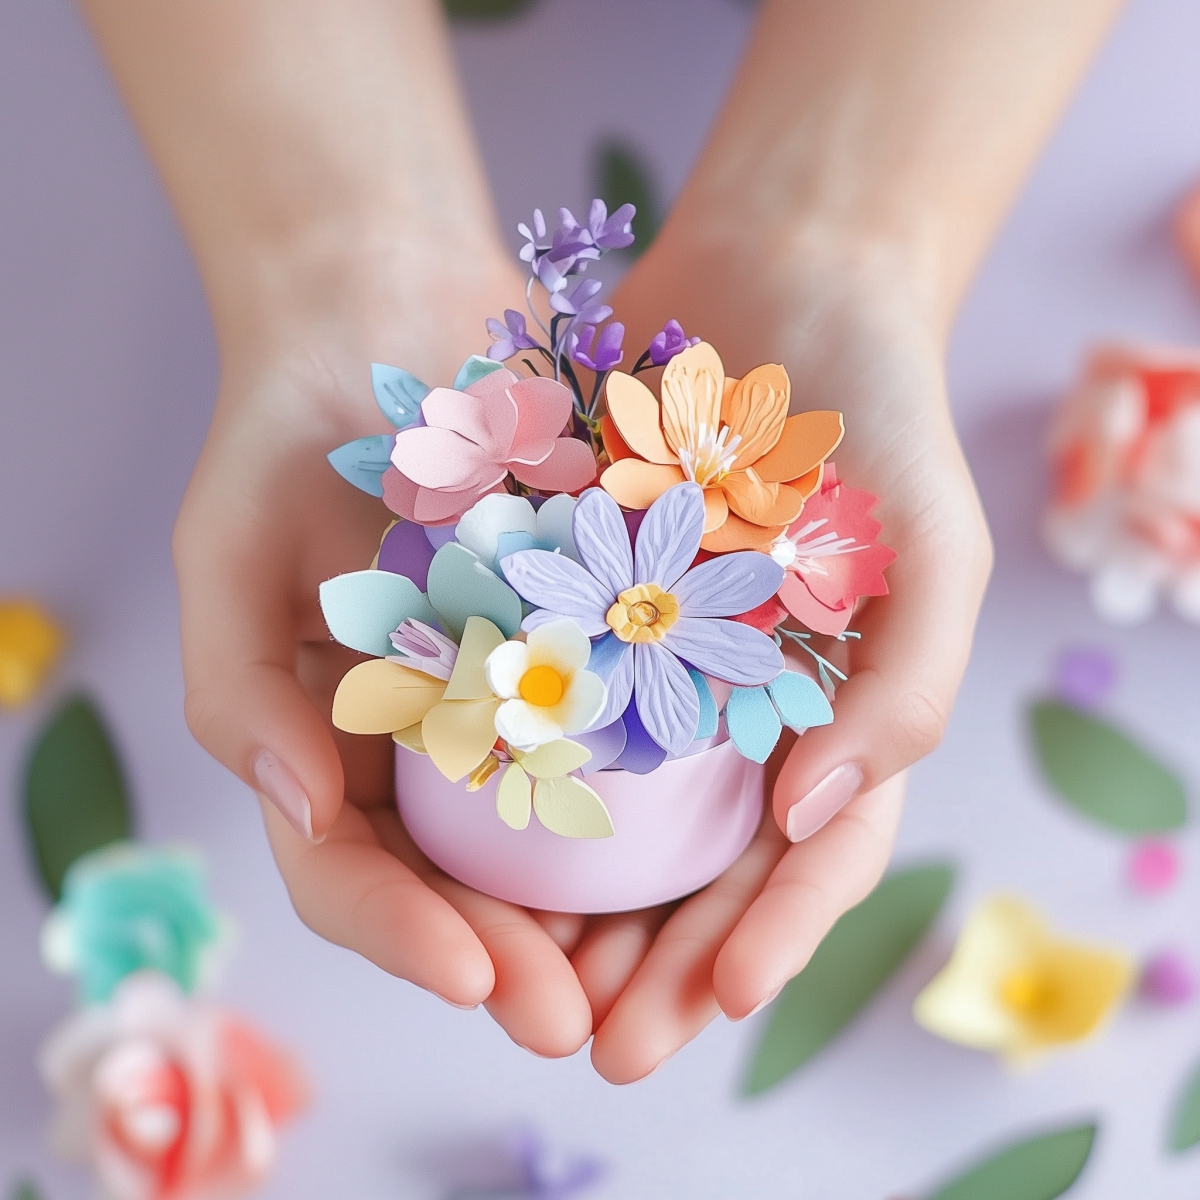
[
  {"x": 30, "y": 644},
  {"x": 1014, "y": 988},
  {"x": 542, "y": 783}
]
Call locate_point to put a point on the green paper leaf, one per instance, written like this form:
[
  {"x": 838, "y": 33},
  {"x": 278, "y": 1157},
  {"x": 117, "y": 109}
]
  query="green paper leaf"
[
  {"x": 486, "y": 10},
  {"x": 473, "y": 370},
  {"x": 1039, "y": 1168},
  {"x": 569, "y": 807},
  {"x": 1103, "y": 773},
  {"x": 75, "y": 795},
  {"x": 460, "y": 586},
  {"x": 1185, "y": 1127},
  {"x": 622, "y": 177},
  {"x": 858, "y": 956},
  {"x": 26, "y": 1189}
]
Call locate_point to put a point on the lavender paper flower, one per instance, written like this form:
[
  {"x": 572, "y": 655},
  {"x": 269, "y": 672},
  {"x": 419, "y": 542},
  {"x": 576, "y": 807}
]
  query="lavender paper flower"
[
  {"x": 508, "y": 337},
  {"x": 603, "y": 231},
  {"x": 669, "y": 342},
  {"x": 606, "y": 353},
  {"x": 581, "y": 303},
  {"x": 649, "y": 602}
]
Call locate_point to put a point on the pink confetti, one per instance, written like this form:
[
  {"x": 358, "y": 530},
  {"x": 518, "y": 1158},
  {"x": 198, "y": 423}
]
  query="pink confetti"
[
  {"x": 1168, "y": 979},
  {"x": 1153, "y": 866}
]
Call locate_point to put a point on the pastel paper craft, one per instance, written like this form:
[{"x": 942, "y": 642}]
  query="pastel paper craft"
[
  {"x": 641, "y": 754},
  {"x": 460, "y": 587},
  {"x": 514, "y": 797},
  {"x": 381, "y": 697},
  {"x": 398, "y": 393},
  {"x": 362, "y": 607},
  {"x": 710, "y": 717},
  {"x": 469, "y": 679},
  {"x": 363, "y": 461},
  {"x": 405, "y": 550},
  {"x": 568, "y": 807},
  {"x": 604, "y": 744},
  {"x": 459, "y": 734},
  {"x": 554, "y": 758},
  {"x": 1185, "y": 1121},
  {"x": 753, "y": 722},
  {"x": 410, "y": 739},
  {"x": 800, "y": 701},
  {"x": 473, "y": 370},
  {"x": 500, "y": 525},
  {"x": 30, "y": 644}
]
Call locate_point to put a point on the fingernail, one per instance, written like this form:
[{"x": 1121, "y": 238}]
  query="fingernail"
[
  {"x": 530, "y": 1051},
  {"x": 824, "y": 801},
  {"x": 762, "y": 1004},
  {"x": 283, "y": 789},
  {"x": 454, "y": 1004}
]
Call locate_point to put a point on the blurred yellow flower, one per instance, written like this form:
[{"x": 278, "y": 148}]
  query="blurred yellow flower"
[
  {"x": 1014, "y": 988},
  {"x": 30, "y": 643}
]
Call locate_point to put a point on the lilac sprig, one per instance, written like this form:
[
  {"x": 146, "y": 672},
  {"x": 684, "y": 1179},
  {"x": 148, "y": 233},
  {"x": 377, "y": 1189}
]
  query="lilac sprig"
[
  {"x": 668, "y": 342},
  {"x": 509, "y": 336}
]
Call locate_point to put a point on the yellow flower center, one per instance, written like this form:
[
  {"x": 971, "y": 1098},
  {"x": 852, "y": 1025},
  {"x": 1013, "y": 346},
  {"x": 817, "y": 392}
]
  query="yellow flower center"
[
  {"x": 1027, "y": 992},
  {"x": 542, "y": 686},
  {"x": 643, "y": 613}
]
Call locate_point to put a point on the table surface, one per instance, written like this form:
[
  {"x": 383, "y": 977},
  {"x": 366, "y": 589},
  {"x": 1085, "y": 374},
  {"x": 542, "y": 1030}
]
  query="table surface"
[{"x": 106, "y": 375}]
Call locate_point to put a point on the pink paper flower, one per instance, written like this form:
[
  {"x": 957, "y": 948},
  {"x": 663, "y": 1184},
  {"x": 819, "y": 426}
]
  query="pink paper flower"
[
  {"x": 831, "y": 557},
  {"x": 471, "y": 440},
  {"x": 167, "y": 1097}
]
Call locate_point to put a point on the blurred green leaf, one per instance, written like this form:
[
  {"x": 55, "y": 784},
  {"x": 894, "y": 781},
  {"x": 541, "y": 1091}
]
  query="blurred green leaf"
[
  {"x": 858, "y": 956},
  {"x": 26, "y": 1189},
  {"x": 486, "y": 10},
  {"x": 1039, "y": 1168},
  {"x": 623, "y": 177},
  {"x": 1185, "y": 1127},
  {"x": 1103, "y": 773},
  {"x": 75, "y": 795}
]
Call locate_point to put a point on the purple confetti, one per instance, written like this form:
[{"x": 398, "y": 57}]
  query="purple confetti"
[
  {"x": 1168, "y": 979},
  {"x": 1085, "y": 675}
]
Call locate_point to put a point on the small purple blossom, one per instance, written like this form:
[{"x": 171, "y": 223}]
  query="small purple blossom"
[
  {"x": 529, "y": 252},
  {"x": 669, "y": 342},
  {"x": 606, "y": 353},
  {"x": 603, "y": 231},
  {"x": 1085, "y": 675},
  {"x": 508, "y": 337},
  {"x": 580, "y": 303},
  {"x": 1168, "y": 979},
  {"x": 422, "y": 648}
]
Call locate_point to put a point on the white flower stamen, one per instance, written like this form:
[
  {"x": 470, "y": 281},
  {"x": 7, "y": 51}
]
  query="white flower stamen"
[
  {"x": 803, "y": 551},
  {"x": 710, "y": 456}
]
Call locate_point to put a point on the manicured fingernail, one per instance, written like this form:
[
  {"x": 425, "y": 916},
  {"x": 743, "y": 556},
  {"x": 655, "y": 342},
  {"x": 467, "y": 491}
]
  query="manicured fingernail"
[
  {"x": 762, "y": 1004},
  {"x": 283, "y": 789},
  {"x": 531, "y": 1051},
  {"x": 824, "y": 801},
  {"x": 454, "y": 1004}
]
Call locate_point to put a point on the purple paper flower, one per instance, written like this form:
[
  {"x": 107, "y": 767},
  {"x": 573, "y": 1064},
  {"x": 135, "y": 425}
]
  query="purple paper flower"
[
  {"x": 581, "y": 303},
  {"x": 529, "y": 252},
  {"x": 509, "y": 337},
  {"x": 423, "y": 648},
  {"x": 603, "y": 231},
  {"x": 669, "y": 342},
  {"x": 648, "y": 600},
  {"x": 607, "y": 352}
]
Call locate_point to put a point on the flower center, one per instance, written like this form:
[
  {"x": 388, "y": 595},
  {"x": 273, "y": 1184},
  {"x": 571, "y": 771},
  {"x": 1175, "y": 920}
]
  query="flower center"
[
  {"x": 802, "y": 551},
  {"x": 710, "y": 457},
  {"x": 1027, "y": 992},
  {"x": 643, "y": 613},
  {"x": 542, "y": 686}
]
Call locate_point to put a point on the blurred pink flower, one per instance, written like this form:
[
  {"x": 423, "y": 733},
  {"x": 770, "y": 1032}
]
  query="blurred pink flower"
[
  {"x": 168, "y": 1098},
  {"x": 471, "y": 440}
]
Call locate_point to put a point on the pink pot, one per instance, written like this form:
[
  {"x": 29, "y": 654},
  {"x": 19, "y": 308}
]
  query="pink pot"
[{"x": 677, "y": 829}]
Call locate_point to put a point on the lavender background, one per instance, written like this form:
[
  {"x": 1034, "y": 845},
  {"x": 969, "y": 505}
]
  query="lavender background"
[{"x": 106, "y": 378}]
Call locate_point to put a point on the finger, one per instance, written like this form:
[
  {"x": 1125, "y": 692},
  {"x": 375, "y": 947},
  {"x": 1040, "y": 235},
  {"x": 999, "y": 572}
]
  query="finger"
[
  {"x": 609, "y": 953},
  {"x": 354, "y": 891},
  {"x": 564, "y": 929},
  {"x": 812, "y": 885}
]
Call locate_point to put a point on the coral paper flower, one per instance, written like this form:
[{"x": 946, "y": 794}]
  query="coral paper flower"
[
  {"x": 169, "y": 1099},
  {"x": 831, "y": 556},
  {"x": 732, "y": 437},
  {"x": 544, "y": 685},
  {"x": 651, "y": 610},
  {"x": 1014, "y": 988},
  {"x": 471, "y": 440}
]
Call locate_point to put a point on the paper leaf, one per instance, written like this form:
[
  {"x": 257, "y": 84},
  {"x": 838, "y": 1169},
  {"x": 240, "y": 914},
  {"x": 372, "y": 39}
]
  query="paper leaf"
[
  {"x": 623, "y": 177},
  {"x": 411, "y": 739},
  {"x": 1103, "y": 773},
  {"x": 554, "y": 758},
  {"x": 1039, "y": 1168},
  {"x": 1185, "y": 1127},
  {"x": 468, "y": 681},
  {"x": 801, "y": 702},
  {"x": 485, "y": 10},
  {"x": 460, "y": 586},
  {"x": 513, "y": 797},
  {"x": 363, "y": 462},
  {"x": 858, "y": 956},
  {"x": 362, "y": 607},
  {"x": 75, "y": 795},
  {"x": 398, "y": 393},
  {"x": 26, "y": 1189},
  {"x": 382, "y": 697},
  {"x": 459, "y": 735},
  {"x": 709, "y": 716},
  {"x": 568, "y": 807},
  {"x": 473, "y": 370},
  {"x": 753, "y": 723}
]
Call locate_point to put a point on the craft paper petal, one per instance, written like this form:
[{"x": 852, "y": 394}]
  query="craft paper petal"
[
  {"x": 405, "y": 550},
  {"x": 557, "y": 583},
  {"x": 755, "y": 409},
  {"x": 736, "y": 534},
  {"x": 642, "y": 754},
  {"x": 807, "y": 440},
  {"x": 634, "y": 411},
  {"x": 398, "y": 393},
  {"x": 568, "y": 807},
  {"x": 798, "y": 599},
  {"x": 569, "y": 467},
  {"x": 460, "y": 586},
  {"x": 729, "y": 650},
  {"x": 729, "y": 585},
  {"x": 614, "y": 444},
  {"x": 410, "y": 739},
  {"x": 761, "y": 503},
  {"x": 716, "y": 509},
  {"x": 431, "y": 507},
  {"x": 526, "y": 726},
  {"x": 801, "y": 701},
  {"x": 693, "y": 385},
  {"x": 583, "y": 703},
  {"x": 505, "y": 666},
  {"x": 602, "y": 540},
  {"x": 709, "y": 714},
  {"x": 637, "y": 484},
  {"x": 561, "y": 644},
  {"x": 752, "y": 722},
  {"x": 459, "y": 735},
  {"x": 439, "y": 458},
  {"x": 363, "y": 461},
  {"x": 488, "y": 423},
  {"x": 669, "y": 536},
  {"x": 614, "y": 664},
  {"x": 469, "y": 679},
  {"x": 514, "y": 797},
  {"x": 554, "y": 521},
  {"x": 362, "y": 607},
  {"x": 667, "y": 701},
  {"x": 475, "y": 370},
  {"x": 543, "y": 410},
  {"x": 480, "y": 527},
  {"x": 555, "y": 758},
  {"x": 382, "y": 697},
  {"x": 605, "y": 744}
]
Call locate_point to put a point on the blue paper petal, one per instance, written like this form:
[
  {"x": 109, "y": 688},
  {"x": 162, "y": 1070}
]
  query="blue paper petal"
[
  {"x": 363, "y": 607},
  {"x": 363, "y": 462},
  {"x": 709, "y": 716},
  {"x": 398, "y": 393},
  {"x": 405, "y": 550},
  {"x": 473, "y": 370},
  {"x": 801, "y": 701},
  {"x": 606, "y": 654},
  {"x": 460, "y": 586},
  {"x": 753, "y": 722},
  {"x": 605, "y": 743},
  {"x": 642, "y": 754},
  {"x": 510, "y": 543}
]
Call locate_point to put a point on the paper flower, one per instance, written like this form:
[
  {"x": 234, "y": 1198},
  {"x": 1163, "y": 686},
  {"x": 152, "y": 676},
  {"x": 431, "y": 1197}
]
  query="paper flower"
[
  {"x": 541, "y": 782},
  {"x": 1125, "y": 452},
  {"x": 732, "y": 437},
  {"x": 668, "y": 342},
  {"x": 500, "y": 525},
  {"x": 421, "y": 648},
  {"x": 606, "y": 353},
  {"x": 472, "y": 439},
  {"x": 831, "y": 556},
  {"x": 30, "y": 644},
  {"x": 167, "y": 1098},
  {"x": 509, "y": 337},
  {"x": 1014, "y": 988},
  {"x": 126, "y": 907},
  {"x": 651, "y": 603}
]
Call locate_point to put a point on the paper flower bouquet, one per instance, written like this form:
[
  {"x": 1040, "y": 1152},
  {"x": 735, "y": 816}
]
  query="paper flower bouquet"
[{"x": 578, "y": 614}]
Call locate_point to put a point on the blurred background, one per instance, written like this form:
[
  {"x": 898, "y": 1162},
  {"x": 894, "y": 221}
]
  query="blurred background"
[{"x": 107, "y": 374}]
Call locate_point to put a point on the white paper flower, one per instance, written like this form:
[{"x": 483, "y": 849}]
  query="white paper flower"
[
  {"x": 544, "y": 685},
  {"x": 499, "y": 525}
]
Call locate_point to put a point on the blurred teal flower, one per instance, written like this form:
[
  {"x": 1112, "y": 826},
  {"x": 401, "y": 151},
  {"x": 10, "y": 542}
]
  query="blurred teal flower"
[{"x": 125, "y": 908}]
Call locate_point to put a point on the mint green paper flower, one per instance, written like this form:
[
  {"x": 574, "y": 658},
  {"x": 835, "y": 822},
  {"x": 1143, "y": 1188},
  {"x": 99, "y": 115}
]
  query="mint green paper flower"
[{"x": 125, "y": 908}]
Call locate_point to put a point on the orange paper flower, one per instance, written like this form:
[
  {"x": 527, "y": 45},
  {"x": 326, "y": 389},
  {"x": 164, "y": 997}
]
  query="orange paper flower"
[{"x": 733, "y": 437}]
